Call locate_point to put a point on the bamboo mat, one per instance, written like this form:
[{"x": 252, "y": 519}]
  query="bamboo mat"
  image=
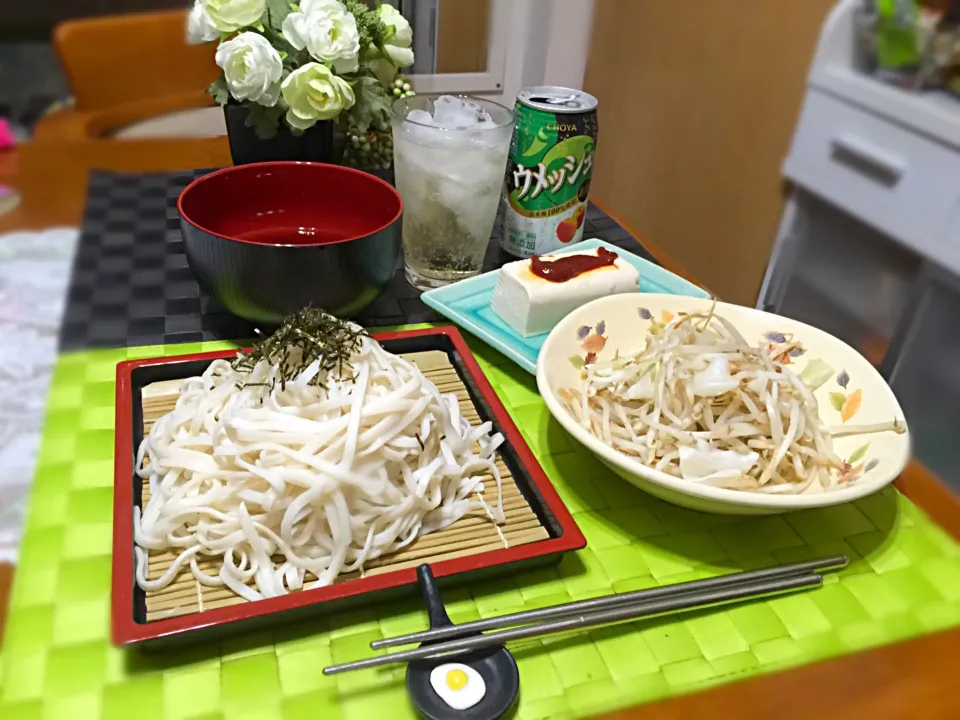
[{"x": 472, "y": 534}]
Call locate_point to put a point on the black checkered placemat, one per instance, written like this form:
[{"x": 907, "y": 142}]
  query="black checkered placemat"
[{"x": 131, "y": 284}]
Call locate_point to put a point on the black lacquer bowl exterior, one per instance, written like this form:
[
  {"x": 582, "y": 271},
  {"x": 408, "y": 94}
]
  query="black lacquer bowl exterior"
[{"x": 267, "y": 239}]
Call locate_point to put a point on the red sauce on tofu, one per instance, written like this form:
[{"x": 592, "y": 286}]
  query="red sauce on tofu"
[{"x": 561, "y": 269}]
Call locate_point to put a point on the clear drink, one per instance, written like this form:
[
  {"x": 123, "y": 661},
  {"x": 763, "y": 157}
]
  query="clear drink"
[{"x": 449, "y": 156}]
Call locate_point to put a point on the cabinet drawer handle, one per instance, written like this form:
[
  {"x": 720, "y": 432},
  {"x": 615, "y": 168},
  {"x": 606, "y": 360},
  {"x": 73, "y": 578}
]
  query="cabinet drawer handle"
[{"x": 870, "y": 159}]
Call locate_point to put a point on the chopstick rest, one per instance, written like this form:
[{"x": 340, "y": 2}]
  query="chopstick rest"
[{"x": 486, "y": 682}]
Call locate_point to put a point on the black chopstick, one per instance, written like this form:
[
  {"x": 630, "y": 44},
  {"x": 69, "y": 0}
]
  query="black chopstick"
[
  {"x": 632, "y": 611},
  {"x": 609, "y": 601}
]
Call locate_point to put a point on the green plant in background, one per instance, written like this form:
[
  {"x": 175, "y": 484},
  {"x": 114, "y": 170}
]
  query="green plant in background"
[
  {"x": 897, "y": 22},
  {"x": 300, "y": 64}
]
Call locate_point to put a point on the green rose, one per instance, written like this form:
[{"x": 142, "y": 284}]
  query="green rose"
[
  {"x": 231, "y": 15},
  {"x": 313, "y": 93}
]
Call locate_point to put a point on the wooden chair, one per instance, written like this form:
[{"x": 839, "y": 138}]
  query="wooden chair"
[
  {"x": 127, "y": 68},
  {"x": 120, "y": 59}
]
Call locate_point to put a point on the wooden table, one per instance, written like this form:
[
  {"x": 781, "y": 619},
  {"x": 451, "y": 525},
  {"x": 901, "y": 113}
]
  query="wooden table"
[{"x": 912, "y": 679}]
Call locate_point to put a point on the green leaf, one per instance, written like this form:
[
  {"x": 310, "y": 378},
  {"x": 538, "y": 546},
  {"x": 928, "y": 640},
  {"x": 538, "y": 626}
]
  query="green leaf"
[
  {"x": 277, "y": 11},
  {"x": 577, "y": 362},
  {"x": 858, "y": 453},
  {"x": 263, "y": 120},
  {"x": 302, "y": 58},
  {"x": 280, "y": 44},
  {"x": 837, "y": 399},
  {"x": 369, "y": 27},
  {"x": 372, "y": 103},
  {"x": 219, "y": 91},
  {"x": 816, "y": 373}
]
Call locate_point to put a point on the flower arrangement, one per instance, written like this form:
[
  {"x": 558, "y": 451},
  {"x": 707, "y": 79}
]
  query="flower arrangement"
[{"x": 300, "y": 64}]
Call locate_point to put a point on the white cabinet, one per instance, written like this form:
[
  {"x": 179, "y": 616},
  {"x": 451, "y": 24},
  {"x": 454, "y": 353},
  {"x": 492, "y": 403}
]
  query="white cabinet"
[
  {"x": 869, "y": 244},
  {"x": 884, "y": 174}
]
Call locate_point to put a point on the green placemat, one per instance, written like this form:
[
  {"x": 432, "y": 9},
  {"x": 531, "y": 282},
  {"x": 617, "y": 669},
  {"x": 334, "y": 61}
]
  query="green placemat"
[{"x": 57, "y": 661}]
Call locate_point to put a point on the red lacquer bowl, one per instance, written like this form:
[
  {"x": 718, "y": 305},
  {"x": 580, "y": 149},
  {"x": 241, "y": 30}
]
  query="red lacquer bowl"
[{"x": 267, "y": 239}]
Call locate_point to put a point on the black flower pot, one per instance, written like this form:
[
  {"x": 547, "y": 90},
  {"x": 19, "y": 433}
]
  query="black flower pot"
[{"x": 323, "y": 142}]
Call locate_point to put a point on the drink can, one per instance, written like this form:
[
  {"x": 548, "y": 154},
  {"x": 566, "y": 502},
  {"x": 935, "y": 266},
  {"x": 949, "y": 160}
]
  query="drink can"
[{"x": 547, "y": 181}]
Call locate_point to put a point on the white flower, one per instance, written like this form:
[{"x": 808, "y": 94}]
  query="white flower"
[
  {"x": 327, "y": 31},
  {"x": 399, "y": 36},
  {"x": 232, "y": 15},
  {"x": 393, "y": 20},
  {"x": 252, "y": 68},
  {"x": 313, "y": 93},
  {"x": 199, "y": 27},
  {"x": 401, "y": 56}
]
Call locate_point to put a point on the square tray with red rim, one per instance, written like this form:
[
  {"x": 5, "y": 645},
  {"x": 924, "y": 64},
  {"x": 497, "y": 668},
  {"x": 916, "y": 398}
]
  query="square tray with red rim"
[{"x": 538, "y": 527}]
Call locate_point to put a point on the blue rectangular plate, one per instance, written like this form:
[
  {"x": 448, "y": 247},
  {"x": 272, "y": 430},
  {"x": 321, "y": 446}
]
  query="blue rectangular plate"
[{"x": 467, "y": 303}]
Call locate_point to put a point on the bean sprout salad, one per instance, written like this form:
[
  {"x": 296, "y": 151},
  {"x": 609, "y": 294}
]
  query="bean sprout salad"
[{"x": 700, "y": 403}]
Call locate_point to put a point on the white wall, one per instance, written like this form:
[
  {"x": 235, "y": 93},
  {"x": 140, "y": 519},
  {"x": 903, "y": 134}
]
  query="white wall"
[
  {"x": 539, "y": 42},
  {"x": 547, "y": 45},
  {"x": 568, "y": 42}
]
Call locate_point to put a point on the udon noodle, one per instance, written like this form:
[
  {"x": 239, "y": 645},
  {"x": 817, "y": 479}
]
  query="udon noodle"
[{"x": 318, "y": 475}]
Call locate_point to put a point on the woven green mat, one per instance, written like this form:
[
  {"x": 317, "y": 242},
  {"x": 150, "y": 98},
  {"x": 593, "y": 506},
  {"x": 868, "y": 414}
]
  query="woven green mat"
[{"x": 57, "y": 661}]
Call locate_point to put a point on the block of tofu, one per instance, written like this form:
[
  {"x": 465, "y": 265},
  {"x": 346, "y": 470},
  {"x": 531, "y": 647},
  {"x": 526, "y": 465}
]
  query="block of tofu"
[{"x": 531, "y": 305}]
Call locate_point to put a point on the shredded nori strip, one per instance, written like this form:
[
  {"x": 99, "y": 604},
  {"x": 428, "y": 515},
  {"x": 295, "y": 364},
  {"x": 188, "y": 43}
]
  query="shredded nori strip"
[{"x": 316, "y": 334}]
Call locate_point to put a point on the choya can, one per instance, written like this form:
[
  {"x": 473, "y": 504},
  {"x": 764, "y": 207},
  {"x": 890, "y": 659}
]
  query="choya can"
[{"x": 544, "y": 200}]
